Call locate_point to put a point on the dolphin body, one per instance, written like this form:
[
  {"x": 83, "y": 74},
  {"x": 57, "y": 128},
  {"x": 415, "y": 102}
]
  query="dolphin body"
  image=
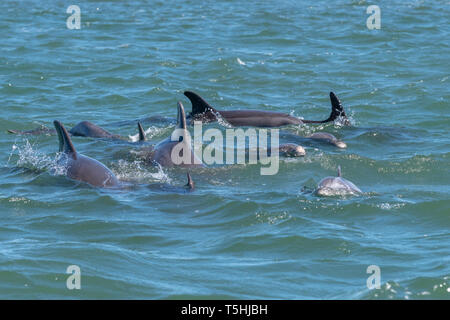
[
  {"x": 85, "y": 169},
  {"x": 291, "y": 150},
  {"x": 170, "y": 151},
  {"x": 82, "y": 129},
  {"x": 202, "y": 111},
  {"x": 287, "y": 150},
  {"x": 88, "y": 129},
  {"x": 328, "y": 138},
  {"x": 337, "y": 186},
  {"x": 80, "y": 167},
  {"x": 34, "y": 132}
]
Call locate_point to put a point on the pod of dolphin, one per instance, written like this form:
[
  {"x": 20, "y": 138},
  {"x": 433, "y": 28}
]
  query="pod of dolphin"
[{"x": 85, "y": 169}]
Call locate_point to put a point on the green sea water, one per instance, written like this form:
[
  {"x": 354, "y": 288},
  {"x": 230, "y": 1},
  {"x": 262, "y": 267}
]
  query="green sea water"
[{"x": 240, "y": 235}]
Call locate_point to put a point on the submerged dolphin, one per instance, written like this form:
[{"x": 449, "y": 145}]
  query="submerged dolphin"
[
  {"x": 82, "y": 129},
  {"x": 175, "y": 150},
  {"x": 287, "y": 150},
  {"x": 189, "y": 187},
  {"x": 291, "y": 150},
  {"x": 336, "y": 186},
  {"x": 201, "y": 110},
  {"x": 88, "y": 129},
  {"x": 80, "y": 167},
  {"x": 328, "y": 138},
  {"x": 41, "y": 130}
]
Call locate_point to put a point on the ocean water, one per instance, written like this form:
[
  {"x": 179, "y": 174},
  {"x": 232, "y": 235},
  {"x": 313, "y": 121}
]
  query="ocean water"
[{"x": 240, "y": 235}]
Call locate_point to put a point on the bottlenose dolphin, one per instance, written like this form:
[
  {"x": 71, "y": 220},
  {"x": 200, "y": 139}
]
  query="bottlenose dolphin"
[
  {"x": 88, "y": 129},
  {"x": 328, "y": 138},
  {"x": 40, "y": 130},
  {"x": 290, "y": 150},
  {"x": 80, "y": 167},
  {"x": 176, "y": 150},
  {"x": 336, "y": 186},
  {"x": 287, "y": 150},
  {"x": 82, "y": 129},
  {"x": 202, "y": 111}
]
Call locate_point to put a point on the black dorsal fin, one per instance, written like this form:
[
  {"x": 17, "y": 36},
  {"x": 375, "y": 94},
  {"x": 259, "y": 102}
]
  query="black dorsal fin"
[
  {"x": 65, "y": 143},
  {"x": 141, "y": 132},
  {"x": 181, "y": 116},
  {"x": 199, "y": 105},
  {"x": 190, "y": 184},
  {"x": 337, "y": 110}
]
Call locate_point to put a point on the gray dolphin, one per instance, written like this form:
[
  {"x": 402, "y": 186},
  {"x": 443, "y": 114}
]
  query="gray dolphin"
[
  {"x": 336, "y": 186},
  {"x": 328, "y": 138},
  {"x": 80, "y": 167},
  {"x": 287, "y": 150},
  {"x": 290, "y": 150},
  {"x": 82, "y": 129},
  {"x": 170, "y": 152},
  {"x": 40, "y": 130},
  {"x": 202, "y": 111},
  {"x": 88, "y": 129}
]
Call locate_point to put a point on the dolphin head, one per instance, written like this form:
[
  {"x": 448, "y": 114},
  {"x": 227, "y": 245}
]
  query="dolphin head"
[
  {"x": 340, "y": 144},
  {"x": 337, "y": 186},
  {"x": 292, "y": 150}
]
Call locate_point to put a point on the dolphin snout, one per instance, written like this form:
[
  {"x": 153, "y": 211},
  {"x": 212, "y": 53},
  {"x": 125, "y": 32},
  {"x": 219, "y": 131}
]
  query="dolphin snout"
[
  {"x": 299, "y": 151},
  {"x": 341, "y": 144},
  {"x": 292, "y": 150}
]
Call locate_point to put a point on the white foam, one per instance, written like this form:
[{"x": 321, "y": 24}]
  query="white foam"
[
  {"x": 149, "y": 133},
  {"x": 242, "y": 63}
]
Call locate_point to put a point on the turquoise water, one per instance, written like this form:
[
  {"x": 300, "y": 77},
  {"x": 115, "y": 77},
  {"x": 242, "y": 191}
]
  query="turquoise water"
[{"x": 240, "y": 234}]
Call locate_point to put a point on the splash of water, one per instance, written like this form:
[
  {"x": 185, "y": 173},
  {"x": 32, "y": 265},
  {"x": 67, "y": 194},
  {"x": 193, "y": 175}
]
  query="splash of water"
[
  {"x": 30, "y": 157},
  {"x": 137, "y": 171},
  {"x": 149, "y": 133}
]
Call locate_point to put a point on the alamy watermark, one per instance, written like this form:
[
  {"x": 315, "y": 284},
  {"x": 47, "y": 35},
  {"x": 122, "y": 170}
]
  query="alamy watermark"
[
  {"x": 374, "y": 20},
  {"x": 259, "y": 149},
  {"x": 74, "y": 280},
  {"x": 74, "y": 20},
  {"x": 374, "y": 281}
]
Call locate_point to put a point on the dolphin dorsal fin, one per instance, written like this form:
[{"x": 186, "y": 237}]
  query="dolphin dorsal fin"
[
  {"x": 337, "y": 110},
  {"x": 65, "y": 143},
  {"x": 141, "y": 132},
  {"x": 181, "y": 116},
  {"x": 190, "y": 184},
  {"x": 339, "y": 171},
  {"x": 198, "y": 104}
]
